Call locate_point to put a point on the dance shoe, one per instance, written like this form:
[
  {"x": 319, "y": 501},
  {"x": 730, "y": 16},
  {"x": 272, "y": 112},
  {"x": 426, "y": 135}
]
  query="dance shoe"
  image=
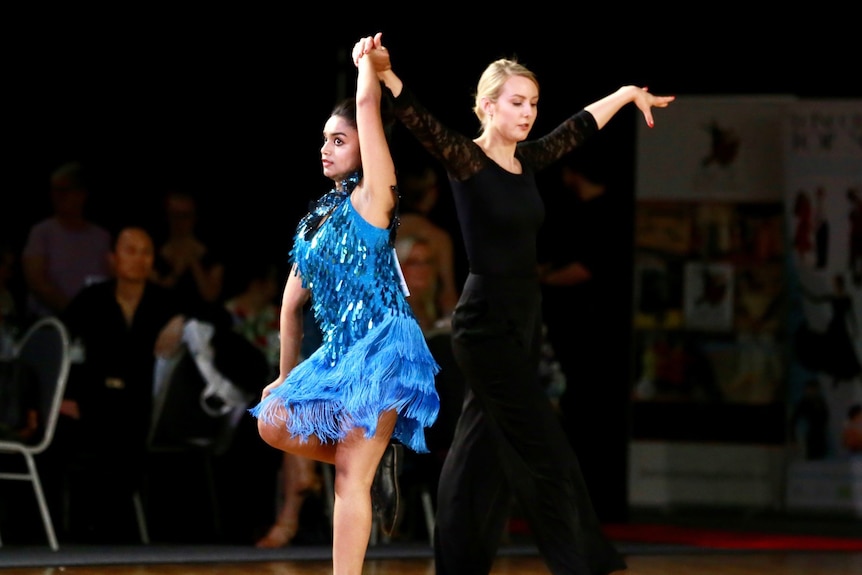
[{"x": 385, "y": 493}]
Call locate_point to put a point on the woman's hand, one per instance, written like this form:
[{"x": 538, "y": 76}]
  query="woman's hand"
[
  {"x": 646, "y": 102},
  {"x": 372, "y": 46},
  {"x": 604, "y": 109},
  {"x": 362, "y": 47},
  {"x": 269, "y": 388}
]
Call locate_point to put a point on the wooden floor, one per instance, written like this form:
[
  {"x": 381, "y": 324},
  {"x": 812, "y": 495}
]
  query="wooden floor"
[{"x": 756, "y": 563}]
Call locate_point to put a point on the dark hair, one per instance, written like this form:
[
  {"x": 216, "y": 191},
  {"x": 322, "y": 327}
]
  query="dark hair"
[
  {"x": 70, "y": 174},
  {"x": 176, "y": 192},
  {"x": 347, "y": 109},
  {"x": 126, "y": 227},
  {"x": 854, "y": 410}
]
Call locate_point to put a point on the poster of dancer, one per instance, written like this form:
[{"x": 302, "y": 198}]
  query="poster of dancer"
[
  {"x": 823, "y": 203},
  {"x": 714, "y": 149}
]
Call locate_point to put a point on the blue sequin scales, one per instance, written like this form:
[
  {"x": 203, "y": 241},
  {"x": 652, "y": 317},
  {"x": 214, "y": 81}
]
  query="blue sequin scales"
[
  {"x": 350, "y": 268},
  {"x": 374, "y": 356}
]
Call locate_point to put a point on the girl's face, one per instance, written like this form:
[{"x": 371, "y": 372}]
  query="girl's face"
[
  {"x": 514, "y": 112},
  {"x": 340, "y": 151}
]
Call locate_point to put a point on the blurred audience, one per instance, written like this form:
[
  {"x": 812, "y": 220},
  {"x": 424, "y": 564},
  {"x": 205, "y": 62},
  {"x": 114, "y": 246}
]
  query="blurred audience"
[
  {"x": 19, "y": 390},
  {"x": 254, "y": 309},
  {"x": 11, "y": 308},
  {"x": 416, "y": 256},
  {"x": 422, "y": 470},
  {"x": 255, "y": 313},
  {"x": 120, "y": 325},
  {"x": 186, "y": 263},
  {"x": 19, "y": 401},
  {"x": 65, "y": 251},
  {"x": 419, "y": 189}
]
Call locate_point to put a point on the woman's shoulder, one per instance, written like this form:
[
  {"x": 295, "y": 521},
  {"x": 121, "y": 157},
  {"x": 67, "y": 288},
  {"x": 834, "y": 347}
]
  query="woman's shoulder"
[{"x": 358, "y": 224}]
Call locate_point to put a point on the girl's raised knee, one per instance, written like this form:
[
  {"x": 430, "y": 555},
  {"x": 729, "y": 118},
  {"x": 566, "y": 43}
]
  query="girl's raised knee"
[{"x": 271, "y": 434}]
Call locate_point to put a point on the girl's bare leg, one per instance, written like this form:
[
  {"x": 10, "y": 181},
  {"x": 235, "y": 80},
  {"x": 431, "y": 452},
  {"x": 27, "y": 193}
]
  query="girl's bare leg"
[
  {"x": 356, "y": 460},
  {"x": 276, "y": 435}
]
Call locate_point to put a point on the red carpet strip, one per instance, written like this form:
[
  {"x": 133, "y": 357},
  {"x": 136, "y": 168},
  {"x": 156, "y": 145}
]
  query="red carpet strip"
[{"x": 721, "y": 539}]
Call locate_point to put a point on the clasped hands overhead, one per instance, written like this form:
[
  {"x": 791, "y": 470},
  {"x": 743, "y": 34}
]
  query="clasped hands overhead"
[{"x": 372, "y": 46}]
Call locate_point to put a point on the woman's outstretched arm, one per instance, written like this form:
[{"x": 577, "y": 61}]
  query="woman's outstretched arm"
[
  {"x": 605, "y": 109},
  {"x": 378, "y": 169}
]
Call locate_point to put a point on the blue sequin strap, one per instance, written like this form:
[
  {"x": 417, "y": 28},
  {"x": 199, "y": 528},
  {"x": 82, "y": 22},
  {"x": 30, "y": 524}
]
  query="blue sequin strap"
[{"x": 321, "y": 208}]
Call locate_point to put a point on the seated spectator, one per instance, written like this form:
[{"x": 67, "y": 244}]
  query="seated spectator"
[
  {"x": 121, "y": 325},
  {"x": 255, "y": 313},
  {"x": 66, "y": 251},
  {"x": 422, "y": 470},
  {"x": 416, "y": 256},
  {"x": 20, "y": 395},
  {"x": 187, "y": 264},
  {"x": 419, "y": 194},
  {"x": 254, "y": 308}
]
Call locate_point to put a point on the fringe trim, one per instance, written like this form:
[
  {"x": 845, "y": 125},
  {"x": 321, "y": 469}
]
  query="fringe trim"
[{"x": 390, "y": 368}]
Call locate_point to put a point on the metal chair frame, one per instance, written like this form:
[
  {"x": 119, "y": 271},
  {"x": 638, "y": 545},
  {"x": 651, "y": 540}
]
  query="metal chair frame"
[{"x": 51, "y": 359}]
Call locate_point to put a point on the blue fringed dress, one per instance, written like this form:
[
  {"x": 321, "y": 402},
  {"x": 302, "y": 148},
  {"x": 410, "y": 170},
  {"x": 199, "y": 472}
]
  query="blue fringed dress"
[{"x": 374, "y": 356}]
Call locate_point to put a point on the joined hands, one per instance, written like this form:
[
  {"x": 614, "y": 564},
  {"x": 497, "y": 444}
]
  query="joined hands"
[{"x": 372, "y": 47}]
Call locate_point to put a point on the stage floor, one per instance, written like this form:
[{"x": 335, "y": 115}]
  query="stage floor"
[
  {"x": 696, "y": 542},
  {"x": 384, "y": 560}
]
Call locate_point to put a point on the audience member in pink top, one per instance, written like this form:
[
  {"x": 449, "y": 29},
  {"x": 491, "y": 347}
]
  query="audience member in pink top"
[{"x": 65, "y": 251}]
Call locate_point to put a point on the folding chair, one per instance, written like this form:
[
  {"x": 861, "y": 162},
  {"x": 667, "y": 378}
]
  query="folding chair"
[{"x": 45, "y": 347}]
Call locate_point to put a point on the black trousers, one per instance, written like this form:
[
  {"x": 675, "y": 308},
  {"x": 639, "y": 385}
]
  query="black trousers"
[{"x": 509, "y": 443}]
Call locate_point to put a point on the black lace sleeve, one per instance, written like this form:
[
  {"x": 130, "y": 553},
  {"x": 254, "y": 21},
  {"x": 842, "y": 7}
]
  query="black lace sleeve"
[
  {"x": 460, "y": 156},
  {"x": 544, "y": 151}
]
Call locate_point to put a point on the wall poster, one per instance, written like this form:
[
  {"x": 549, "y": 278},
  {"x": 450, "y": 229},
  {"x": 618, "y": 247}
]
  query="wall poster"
[{"x": 823, "y": 202}]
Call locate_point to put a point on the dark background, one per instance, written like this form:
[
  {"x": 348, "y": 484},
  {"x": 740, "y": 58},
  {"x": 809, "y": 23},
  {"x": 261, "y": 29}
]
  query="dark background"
[{"x": 230, "y": 102}]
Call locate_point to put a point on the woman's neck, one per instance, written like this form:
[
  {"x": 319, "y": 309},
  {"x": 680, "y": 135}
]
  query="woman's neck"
[{"x": 503, "y": 153}]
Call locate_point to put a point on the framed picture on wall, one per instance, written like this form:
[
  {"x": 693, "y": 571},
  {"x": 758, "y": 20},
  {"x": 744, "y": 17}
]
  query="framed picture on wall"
[{"x": 708, "y": 296}]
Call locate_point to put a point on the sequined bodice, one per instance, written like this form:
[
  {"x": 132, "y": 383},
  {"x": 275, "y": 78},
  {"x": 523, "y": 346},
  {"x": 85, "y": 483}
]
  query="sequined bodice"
[{"x": 350, "y": 267}]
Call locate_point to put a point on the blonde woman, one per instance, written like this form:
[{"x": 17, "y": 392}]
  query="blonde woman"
[{"x": 508, "y": 440}]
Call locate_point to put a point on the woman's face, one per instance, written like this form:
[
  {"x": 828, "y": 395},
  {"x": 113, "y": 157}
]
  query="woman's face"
[
  {"x": 340, "y": 151},
  {"x": 515, "y": 110},
  {"x": 418, "y": 268}
]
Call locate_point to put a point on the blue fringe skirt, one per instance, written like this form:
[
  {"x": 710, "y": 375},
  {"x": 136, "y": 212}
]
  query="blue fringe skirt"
[{"x": 390, "y": 367}]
